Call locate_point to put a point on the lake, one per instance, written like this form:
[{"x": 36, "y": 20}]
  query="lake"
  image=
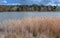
[{"x": 19, "y": 15}]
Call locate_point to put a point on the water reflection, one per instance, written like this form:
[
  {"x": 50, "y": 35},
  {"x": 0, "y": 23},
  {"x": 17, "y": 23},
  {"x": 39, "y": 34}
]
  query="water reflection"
[{"x": 19, "y": 15}]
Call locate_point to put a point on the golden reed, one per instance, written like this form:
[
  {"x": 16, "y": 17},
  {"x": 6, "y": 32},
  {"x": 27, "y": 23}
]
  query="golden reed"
[{"x": 35, "y": 27}]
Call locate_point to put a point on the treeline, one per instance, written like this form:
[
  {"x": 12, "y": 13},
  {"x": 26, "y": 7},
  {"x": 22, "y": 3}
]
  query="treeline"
[{"x": 13, "y": 8}]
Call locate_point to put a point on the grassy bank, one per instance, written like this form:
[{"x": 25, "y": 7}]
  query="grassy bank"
[{"x": 35, "y": 27}]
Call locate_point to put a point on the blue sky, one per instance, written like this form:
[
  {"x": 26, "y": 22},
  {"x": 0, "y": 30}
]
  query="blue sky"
[{"x": 30, "y": 2}]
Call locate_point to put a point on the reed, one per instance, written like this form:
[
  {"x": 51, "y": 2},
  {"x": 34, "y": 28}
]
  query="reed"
[{"x": 35, "y": 27}]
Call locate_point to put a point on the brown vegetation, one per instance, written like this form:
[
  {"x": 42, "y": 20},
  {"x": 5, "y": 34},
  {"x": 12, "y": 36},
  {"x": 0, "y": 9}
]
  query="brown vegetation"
[{"x": 35, "y": 27}]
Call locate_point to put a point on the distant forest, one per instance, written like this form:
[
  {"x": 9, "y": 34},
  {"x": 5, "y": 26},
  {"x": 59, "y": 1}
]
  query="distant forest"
[{"x": 25, "y": 8}]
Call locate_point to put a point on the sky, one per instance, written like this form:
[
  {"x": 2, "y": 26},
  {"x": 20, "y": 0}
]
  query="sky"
[{"x": 30, "y": 2}]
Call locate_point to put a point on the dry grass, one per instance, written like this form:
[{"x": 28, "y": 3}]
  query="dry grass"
[{"x": 35, "y": 27}]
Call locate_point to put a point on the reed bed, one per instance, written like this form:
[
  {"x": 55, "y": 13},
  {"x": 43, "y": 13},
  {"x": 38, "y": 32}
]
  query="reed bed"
[{"x": 34, "y": 27}]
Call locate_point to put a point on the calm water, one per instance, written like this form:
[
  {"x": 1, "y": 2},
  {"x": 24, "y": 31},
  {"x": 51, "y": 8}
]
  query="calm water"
[{"x": 19, "y": 15}]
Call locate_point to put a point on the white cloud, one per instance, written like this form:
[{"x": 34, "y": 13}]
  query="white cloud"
[
  {"x": 14, "y": 4},
  {"x": 4, "y": 1},
  {"x": 29, "y": 2},
  {"x": 51, "y": 4}
]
